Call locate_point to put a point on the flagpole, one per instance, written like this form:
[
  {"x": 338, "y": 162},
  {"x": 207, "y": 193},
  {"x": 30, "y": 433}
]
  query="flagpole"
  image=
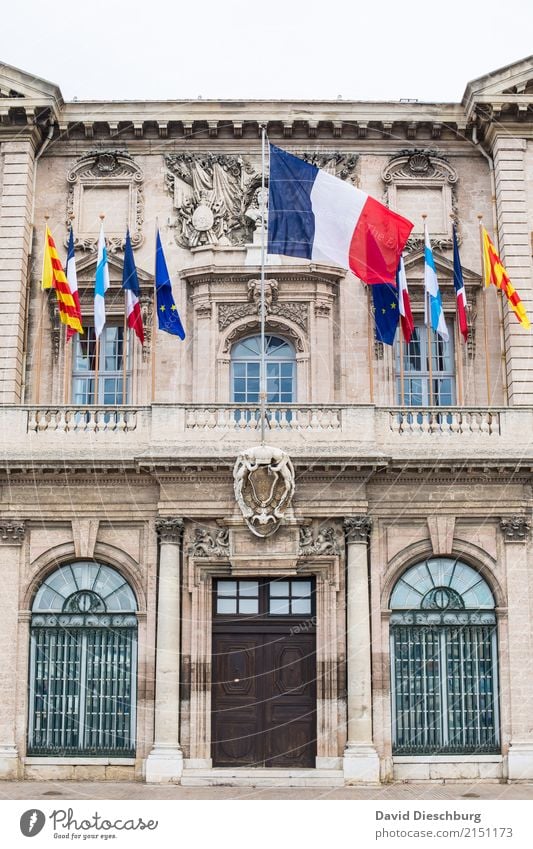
[
  {"x": 402, "y": 376},
  {"x": 370, "y": 337},
  {"x": 429, "y": 329},
  {"x": 262, "y": 385},
  {"x": 154, "y": 314},
  {"x": 66, "y": 364},
  {"x": 486, "y": 329},
  {"x": 125, "y": 349},
  {"x": 503, "y": 349},
  {"x": 97, "y": 346},
  {"x": 42, "y": 303}
]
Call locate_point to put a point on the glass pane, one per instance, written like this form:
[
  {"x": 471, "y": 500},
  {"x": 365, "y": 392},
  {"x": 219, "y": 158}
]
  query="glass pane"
[
  {"x": 227, "y": 605},
  {"x": 248, "y": 588},
  {"x": 248, "y": 605},
  {"x": 226, "y": 588},
  {"x": 253, "y": 385},
  {"x": 240, "y": 398},
  {"x": 279, "y": 588},
  {"x": 272, "y": 369},
  {"x": 253, "y": 369},
  {"x": 239, "y": 384},
  {"x": 239, "y": 369},
  {"x": 301, "y": 588},
  {"x": 286, "y": 369},
  {"x": 279, "y": 606},
  {"x": 301, "y": 605}
]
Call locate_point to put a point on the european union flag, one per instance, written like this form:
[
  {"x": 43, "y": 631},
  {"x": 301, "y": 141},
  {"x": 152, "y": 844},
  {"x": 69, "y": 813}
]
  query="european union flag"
[
  {"x": 386, "y": 311},
  {"x": 167, "y": 311}
]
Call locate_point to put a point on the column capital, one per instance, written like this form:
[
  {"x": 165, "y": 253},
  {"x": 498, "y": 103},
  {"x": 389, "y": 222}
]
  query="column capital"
[
  {"x": 357, "y": 528},
  {"x": 169, "y": 530},
  {"x": 12, "y": 531},
  {"x": 515, "y": 528}
]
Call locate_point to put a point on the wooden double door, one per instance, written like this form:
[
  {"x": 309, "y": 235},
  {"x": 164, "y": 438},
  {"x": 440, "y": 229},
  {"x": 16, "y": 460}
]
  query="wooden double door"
[{"x": 264, "y": 675}]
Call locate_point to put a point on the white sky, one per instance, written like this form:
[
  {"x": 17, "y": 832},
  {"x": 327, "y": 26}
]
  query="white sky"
[{"x": 159, "y": 49}]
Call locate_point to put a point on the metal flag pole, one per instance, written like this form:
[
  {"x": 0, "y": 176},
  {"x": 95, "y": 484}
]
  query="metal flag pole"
[
  {"x": 40, "y": 333},
  {"x": 154, "y": 316},
  {"x": 96, "y": 347},
  {"x": 125, "y": 349},
  {"x": 484, "y": 299},
  {"x": 427, "y": 306},
  {"x": 262, "y": 384}
]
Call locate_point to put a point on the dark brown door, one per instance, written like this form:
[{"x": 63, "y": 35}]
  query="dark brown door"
[{"x": 264, "y": 672}]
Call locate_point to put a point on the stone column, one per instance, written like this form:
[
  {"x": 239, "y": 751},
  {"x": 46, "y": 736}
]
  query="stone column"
[
  {"x": 516, "y": 532},
  {"x": 165, "y": 761},
  {"x": 11, "y": 538},
  {"x": 361, "y": 762}
]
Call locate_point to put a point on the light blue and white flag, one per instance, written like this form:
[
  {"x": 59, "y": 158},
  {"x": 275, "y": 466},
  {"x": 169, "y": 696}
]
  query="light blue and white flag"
[
  {"x": 433, "y": 299},
  {"x": 101, "y": 284}
]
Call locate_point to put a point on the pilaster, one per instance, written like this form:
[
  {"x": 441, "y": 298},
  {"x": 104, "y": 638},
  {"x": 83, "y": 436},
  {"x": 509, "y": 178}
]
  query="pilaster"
[
  {"x": 361, "y": 762},
  {"x": 11, "y": 538},
  {"x": 515, "y": 252},
  {"x": 17, "y": 159},
  {"x": 516, "y": 532},
  {"x": 165, "y": 762}
]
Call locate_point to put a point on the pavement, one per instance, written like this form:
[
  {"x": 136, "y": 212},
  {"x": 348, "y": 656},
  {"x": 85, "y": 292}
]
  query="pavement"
[{"x": 52, "y": 790}]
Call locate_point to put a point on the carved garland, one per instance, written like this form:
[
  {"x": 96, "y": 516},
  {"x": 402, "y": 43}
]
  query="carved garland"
[{"x": 111, "y": 168}]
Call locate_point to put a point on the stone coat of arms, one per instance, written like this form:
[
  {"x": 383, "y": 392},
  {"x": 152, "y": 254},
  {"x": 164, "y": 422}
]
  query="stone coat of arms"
[{"x": 264, "y": 485}]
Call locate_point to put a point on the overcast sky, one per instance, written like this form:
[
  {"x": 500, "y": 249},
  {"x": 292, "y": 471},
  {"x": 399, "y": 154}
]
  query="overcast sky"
[{"x": 158, "y": 49}]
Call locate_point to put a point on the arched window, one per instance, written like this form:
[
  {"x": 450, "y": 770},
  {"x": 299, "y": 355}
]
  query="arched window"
[
  {"x": 444, "y": 672},
  {"x": 83, "y": 655},
  {"x": 280, "y": 370}
]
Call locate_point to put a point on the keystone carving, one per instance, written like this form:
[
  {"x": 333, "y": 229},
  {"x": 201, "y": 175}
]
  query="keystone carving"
[{"x": 263, "y": 480}]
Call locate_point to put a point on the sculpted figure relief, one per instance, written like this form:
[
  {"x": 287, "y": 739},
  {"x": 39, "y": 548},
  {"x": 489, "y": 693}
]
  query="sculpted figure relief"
[{"x": 264, "y": 485}]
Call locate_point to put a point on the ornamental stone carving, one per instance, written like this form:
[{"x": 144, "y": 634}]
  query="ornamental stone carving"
[
  {"x": 210, "y": 544},
  {"x": 338, "y": 164},
  {"x": 357, "y": 529},
  {"x": 215, "y": 196},
  {"x": 263, "y": 480},
  {"x": 169, "y": 530},
  {"x": 12, "y": 531},
  {"x": 116, "y": 181},
  {"x": 515, "y": 529},
  {"x": 253, "y": 326},
  {"x": 416, "y": 178},
  {"x": 325, "y": 542}
]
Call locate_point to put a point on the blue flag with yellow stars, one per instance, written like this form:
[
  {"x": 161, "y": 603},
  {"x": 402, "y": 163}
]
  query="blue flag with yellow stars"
[
  {"x": 386, "y": 311},
  {"x": 167, "y": 311}
]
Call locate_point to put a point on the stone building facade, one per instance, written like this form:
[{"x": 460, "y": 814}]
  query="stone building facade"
[{"x": 384, "y": 631}]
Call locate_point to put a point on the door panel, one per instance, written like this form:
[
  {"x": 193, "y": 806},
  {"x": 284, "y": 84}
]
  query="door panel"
[{"x": 264, "y": 696}]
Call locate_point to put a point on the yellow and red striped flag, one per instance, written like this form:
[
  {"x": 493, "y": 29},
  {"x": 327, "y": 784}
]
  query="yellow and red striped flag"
[
  {"x": 54, "y": 278},
  {"x": 494, "y": 272}
]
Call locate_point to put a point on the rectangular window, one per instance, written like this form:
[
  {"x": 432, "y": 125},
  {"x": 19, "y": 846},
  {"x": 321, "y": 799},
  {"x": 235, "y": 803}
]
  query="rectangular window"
[
  {"x": 422, "y": 386},
  {"x": 264, "y": 597},
  {"x": 110, "y": 390}
]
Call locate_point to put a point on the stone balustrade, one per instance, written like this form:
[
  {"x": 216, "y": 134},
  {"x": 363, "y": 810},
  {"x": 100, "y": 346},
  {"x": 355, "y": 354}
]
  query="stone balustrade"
[
  {"x": 247, "y": 417},
  {"x": 434, "y": 420},
  {"x": 82, "y": 419}
]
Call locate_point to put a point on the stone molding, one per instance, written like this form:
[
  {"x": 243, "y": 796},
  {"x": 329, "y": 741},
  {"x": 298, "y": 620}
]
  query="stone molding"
[
  {"x": 12, "y": 531},
  {"x": 515, "y": 529},
  {"x": 357, "y": 529},
  {"x": 169, "y": 530}
]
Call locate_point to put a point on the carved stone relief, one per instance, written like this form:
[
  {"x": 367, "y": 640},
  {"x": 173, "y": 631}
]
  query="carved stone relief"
[
  {"x": 357, "y": 528},
  {"x": 325, "y": 541},
  {"x": 294, "y": 311},
  {"x": 338, "y": 164},
  {"x": 210, "y": 543},
  {"x": 215, "y": 196},
  {"x": 109, "y": 173},
  {"x": 417, "y": 177},
  {"x": 273, "y": 326},
  {"x": 12, "y": 531},
  {"x": 515, "y": 529},
  {"x": 263, "y": 481}
]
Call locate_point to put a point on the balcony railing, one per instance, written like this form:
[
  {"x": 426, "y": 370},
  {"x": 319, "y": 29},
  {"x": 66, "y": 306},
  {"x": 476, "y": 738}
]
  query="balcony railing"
[
  {"x": 242, "y": 417},
  {"x": 419, "y": 421},
  {"x": 82, "y": 419}
]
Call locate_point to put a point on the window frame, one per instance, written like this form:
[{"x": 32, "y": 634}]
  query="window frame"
[
  {"x": 440, "y": 350},
  {"x": 271, "y": 359},
  {"x": 87, "y": 376}
]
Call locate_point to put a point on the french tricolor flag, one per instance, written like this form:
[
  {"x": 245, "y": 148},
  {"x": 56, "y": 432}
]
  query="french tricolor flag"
[
  {"x": 459, "y": 286},
  {"x": 316, "y": 216},
  {"x": 130, "y": 284}
]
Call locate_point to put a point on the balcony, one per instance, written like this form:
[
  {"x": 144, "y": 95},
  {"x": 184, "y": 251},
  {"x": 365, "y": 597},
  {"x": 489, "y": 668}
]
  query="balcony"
[{"x": 56, "y": 433}]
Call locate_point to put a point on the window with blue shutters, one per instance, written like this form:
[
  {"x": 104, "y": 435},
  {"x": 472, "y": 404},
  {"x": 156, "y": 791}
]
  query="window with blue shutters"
[
  {"x": 444, "y": 661},
  {"x": 83, "y": 656}
]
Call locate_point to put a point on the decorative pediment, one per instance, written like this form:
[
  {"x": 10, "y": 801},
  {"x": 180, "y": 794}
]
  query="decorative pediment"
[
  {"x": 506, "y": 90},
  {"x": 17, "y": 84},
  {"x": 420, "y": 181},
  {"x": 106, "y": 182}
]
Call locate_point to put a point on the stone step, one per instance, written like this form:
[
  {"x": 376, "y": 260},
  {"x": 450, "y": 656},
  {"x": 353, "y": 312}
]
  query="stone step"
[{"x": 246, "y": 777}]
